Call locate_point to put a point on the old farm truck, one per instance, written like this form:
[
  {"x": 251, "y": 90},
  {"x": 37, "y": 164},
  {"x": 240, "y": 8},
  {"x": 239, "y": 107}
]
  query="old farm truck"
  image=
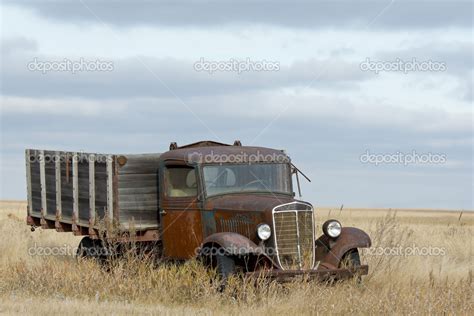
[{"x": 231, "y": 205}]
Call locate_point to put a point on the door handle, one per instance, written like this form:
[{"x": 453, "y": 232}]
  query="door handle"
[{"x": 163, "y": 213}]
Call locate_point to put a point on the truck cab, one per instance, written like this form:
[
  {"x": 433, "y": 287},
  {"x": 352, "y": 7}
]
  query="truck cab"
[{"x": 237, "y": 203}]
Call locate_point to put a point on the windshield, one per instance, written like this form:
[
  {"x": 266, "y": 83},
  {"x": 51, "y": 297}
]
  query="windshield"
[{"x": 235, "y": 178}]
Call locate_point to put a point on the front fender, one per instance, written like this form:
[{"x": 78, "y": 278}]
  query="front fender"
[
  {"x": 236, "y": 245},
  {"x": 231, "y": 243},
  {"x": 330, "y": 251}
]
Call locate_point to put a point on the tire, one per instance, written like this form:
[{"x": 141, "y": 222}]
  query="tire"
[
  {"x": 226, "y": 267},
  {"x": 90, "y": 249},
  {"x": 351, "y": 259}
]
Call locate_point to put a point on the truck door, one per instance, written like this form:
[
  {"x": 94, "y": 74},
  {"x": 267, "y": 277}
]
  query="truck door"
[{"x": 181, "y": 229}]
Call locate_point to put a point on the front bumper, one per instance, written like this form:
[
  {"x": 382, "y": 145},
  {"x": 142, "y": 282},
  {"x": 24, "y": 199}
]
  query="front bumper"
[{"x": 321, "y": 274}]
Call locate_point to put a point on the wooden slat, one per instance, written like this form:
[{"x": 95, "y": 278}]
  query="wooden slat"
[
  {"x": 137, "y": 185},
  {"x": 149, "y": 177},
  {"x": 28, "y": 181},
  {"x": 138, "y": 205},
  {"x": 58, "y": 185},
  {"x": 42, "y": 182},
  {"x": 138, "y": 198},
  {"x": 138, "y": 190},
  {"x": 75, "y": 188},
  {"x": 110, "y": 187},
  {"x": 92, "y": 189}
]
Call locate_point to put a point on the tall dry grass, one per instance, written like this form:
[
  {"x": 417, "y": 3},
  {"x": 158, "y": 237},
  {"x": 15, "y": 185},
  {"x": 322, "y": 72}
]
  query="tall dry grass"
[{"x": 407, "y": 284}]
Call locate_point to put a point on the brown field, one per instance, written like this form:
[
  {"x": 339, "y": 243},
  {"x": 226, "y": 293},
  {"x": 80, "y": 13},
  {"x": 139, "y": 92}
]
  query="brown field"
[{"x": 421, "y": 262}]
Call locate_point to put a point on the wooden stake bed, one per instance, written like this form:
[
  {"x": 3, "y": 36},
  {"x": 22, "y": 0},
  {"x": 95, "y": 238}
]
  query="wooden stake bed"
[{"x": 72, "y": 191}]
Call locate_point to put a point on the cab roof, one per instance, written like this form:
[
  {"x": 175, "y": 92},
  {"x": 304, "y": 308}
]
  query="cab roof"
[{"x": 215, "y": 152}]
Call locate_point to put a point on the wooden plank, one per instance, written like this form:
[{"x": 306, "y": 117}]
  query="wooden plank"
[
  {"x": 36, "y": 172},
  {"x": 42, "y": 182},
  {"x": 110, "y": 187},
  {"x": 140, "y": 161},
  {"x": 116, "y": 212},
  {"x": 141, "y": 157},
  {"x": 82, "y": 182},
  {"x": 138, "y": 170},
  {"x": 138, "y": 199},
  {"x": 75, "y": 188},
  {"x": 139, "y": 205},
  {"x": 144, "y": 212},
  {"x": 28, "y": 181},
  {"x": 138, "y": 190},
  {"x": 92, "y": 189},
  {"x": 135, "y": 161},
  {"x": 150, "y": 177},
  {"x": 137, "y": 184},
  {"x": 58, "y": 186}
]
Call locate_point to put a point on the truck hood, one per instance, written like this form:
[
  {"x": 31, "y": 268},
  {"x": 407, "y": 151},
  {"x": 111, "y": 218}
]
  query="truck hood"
[{"x": 246, "y": 202}]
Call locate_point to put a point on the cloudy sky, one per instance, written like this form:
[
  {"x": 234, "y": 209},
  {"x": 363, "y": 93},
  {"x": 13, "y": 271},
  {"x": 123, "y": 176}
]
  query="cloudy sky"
[{"x": 324, "y": 102}]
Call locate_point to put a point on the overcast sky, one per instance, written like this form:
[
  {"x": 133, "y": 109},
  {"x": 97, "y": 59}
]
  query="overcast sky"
[{"x": 322, "y": 103}]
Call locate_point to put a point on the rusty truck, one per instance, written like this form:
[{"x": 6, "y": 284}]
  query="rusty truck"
[{"x": 232, "y": 206}]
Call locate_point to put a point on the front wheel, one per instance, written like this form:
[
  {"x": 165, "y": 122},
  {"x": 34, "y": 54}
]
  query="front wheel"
[
  {"x": 351, "y": 260},
  {"x": 226, "y": 267}
]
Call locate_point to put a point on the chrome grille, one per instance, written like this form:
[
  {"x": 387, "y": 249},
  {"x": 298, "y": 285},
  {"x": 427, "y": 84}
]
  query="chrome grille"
[{"x": 294, "y": 235}]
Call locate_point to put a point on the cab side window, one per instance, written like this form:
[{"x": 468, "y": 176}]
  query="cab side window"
[{"x": 180, "y": 181}]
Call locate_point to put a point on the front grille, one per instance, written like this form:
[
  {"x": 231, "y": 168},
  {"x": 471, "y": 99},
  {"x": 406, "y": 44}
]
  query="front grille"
[{"x": 294, "y": 235}]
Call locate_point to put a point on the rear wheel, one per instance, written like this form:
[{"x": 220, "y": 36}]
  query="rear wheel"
[{"x": 91, "y": 249}]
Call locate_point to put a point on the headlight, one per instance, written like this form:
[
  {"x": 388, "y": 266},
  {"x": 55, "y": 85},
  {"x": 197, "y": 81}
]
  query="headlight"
[
  {"x": 332, "y": 228},
  {"x": 264, "y": 231}
]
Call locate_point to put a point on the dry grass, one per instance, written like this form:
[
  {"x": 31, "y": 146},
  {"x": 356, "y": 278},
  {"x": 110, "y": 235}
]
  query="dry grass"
[{"x": 400, "y": 283}]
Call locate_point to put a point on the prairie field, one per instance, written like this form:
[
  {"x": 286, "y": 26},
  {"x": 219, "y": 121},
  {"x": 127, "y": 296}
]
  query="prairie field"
[{"x": 420, "y": 262}]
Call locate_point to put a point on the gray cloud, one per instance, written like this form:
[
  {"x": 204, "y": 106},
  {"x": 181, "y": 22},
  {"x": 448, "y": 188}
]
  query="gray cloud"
[
  {"x": 458, "y": 57},
  {"x": 17, "y": 45},
  {"x": 301, "y": 14},
  {"x": 157, "y": 77}
]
